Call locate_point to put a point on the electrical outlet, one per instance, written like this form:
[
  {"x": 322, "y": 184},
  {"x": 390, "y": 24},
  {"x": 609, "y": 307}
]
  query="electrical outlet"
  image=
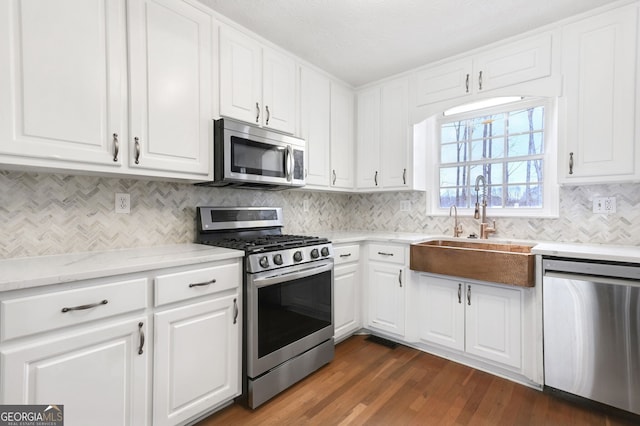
[
  {"x": 405, "y": 205},
  {"x": 604, "y": 205},
  {"x": 305, "y": 205},
  {"x": 123, "y": 203}
]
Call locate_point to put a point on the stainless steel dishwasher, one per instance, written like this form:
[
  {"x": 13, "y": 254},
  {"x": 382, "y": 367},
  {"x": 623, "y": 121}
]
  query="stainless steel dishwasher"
[{"x": 591, "y": 313}]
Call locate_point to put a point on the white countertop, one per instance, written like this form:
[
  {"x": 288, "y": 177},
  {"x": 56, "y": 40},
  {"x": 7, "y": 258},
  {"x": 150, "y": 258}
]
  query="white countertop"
[
  {"x": 614, "y": 253},
  {"x": 29, "y": 272},
  {"x": 340, "y": 237}
]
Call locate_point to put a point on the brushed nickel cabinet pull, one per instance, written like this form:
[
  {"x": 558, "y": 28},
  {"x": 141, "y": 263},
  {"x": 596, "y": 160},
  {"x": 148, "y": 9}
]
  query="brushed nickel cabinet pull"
[
  {"x": 375, "y": 178},
  {"x": 382, "y": 253},
  {"x": 268, "y": 115},
  {"x": 141, "y": 333},
  {"x": 459, "y": 292},
  {"x": 334, "y": 177},
  {"x": 469, "y": 295},
  {"x": 480, "y": 81},
  {"x": 257, "y": 112},
  {"x": 116, "y": 147},
  {"x": 84, "y": 307},
  {"x": 571, "y": 163},
  {"x": 235, "y": 311},
  {"x": 400, "y": 278},
  {"x": 404, "y": 176},
  {"x": 345, "y": 255},
  {"x": 202, "y": 283},
  {"x": 466, "y": 83},
  {"x": 137, "y": 146}
]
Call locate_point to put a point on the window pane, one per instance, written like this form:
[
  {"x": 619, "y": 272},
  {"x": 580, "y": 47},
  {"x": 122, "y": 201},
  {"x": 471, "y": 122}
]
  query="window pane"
[
  {"x": 487, "y": 126},
  {"x": 453, "y": 176},
  {"x": 453, "y": 153},
  {"x": 524, "y": 196},
  {"x": 526, "y": 120},
  {"x": 454, "y": 197},
  {"x": 524, "y": 171},
  {"x": 495, "y": 199},
  {"x": 489, "y": 148},
  {"x": 493, "y": 173},
  {"x": 523, "y": 145},
  {"x": 453, "y": 132}
]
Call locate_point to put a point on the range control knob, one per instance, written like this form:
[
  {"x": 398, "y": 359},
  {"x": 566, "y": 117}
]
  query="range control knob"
[
  {"x": 325, "y": 251},
  {"x": 315, "y": 254},
  {"x": 297, "y": 256},
  {"x": 277, "y": 259},
  {"x": 264, "y": 262}
]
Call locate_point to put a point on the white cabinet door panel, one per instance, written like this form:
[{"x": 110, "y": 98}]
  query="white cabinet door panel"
[
  {"x": 393, "y": 140},
  {"x": 346, "y": 299},
  {"x": 441, "y": 312},
  {"x": 315, "y": 109},
  {"x": 386, "y": 298},
  {"x": 369, "y": 171},
  {"x": 279, "y": 91}
]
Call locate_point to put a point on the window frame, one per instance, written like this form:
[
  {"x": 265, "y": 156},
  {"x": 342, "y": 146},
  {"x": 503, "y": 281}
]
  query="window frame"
[{"x": 550, "y": 199}]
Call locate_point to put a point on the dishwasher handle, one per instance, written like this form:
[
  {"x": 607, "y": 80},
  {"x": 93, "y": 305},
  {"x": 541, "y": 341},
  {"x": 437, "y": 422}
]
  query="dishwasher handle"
[
  {"x": 592, "y": 278},
  {"x": 591, "y": 271}
]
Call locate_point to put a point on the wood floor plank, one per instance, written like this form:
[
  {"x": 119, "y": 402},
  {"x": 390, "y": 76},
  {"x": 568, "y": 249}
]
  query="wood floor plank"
[{"x": 370, "y": 384}]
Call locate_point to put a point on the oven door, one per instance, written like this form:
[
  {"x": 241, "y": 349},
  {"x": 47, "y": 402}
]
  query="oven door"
[{"x": 289, "y": 311}]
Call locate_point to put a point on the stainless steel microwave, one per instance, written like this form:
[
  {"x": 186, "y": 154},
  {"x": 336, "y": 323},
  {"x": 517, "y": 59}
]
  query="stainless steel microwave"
[{"x": 249, "y": 156}]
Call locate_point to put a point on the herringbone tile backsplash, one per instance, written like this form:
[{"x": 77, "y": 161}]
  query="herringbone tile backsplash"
[{"x": 43, "y": 214}]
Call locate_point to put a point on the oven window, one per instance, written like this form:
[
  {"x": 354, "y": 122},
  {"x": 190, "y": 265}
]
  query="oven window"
[
  {"x": 257, "y": 158},
  {"x": 292, "y": 310}
]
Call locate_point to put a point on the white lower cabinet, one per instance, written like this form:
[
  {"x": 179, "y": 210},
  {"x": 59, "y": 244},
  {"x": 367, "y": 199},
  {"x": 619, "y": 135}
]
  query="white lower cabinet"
[
  {"x": 386, "y": 288},
  {"x": 481, "y": 320},
  {"x": 99, "y": 374},
  {"x": 346, "y": 289},
  {"x": 89, "y": 345},
  {"x": 197, "y": 359}
]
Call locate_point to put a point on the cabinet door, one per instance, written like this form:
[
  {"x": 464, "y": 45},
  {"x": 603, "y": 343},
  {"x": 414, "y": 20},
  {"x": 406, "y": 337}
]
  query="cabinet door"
[
  {"x": 342, "y": 138},
  {"x": 394, "y": 142},
  {"x": 279, "y": 91},
  {"x": 493, "y": 317},
  {"x": 346, "y": 300},
  {"x": 516, "y": 63},
  {"x": 63, "y": 81},
  {"x": 197, "y": 359},
  {"x": 99, "y": 376},
  {"x": 368, "y": 139},
  {"x": 441, "y": 312},
  {"x": 315, "y": 108},
  {"x": 240, "y": 76},
  {"x": 171, "y": 97},
  {"x": 386, "y": 297},
  {"x": 447, "y": 81},
  {"x": 599, "y": 57}
]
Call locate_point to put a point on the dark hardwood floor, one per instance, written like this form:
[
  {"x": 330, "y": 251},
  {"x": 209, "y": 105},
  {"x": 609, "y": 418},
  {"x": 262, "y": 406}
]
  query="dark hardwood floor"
[{"x": 371, "y": 384}]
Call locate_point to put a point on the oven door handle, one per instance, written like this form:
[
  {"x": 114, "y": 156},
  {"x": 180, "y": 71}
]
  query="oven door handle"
[{"x": 290, "y": 276}]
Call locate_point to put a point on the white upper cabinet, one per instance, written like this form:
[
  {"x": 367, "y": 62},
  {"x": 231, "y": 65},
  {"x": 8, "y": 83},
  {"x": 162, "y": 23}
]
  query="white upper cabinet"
[
  {"x": 170, "y": 86},
  {"x": 257, "y": 84},
  {"x": 63, "y": 82},
  {"x": 315, "y": 128},
  {"x": 64, "y": 98},
  {"x": 462, "y": 80},
  {"x": 387, "y": 158},
  {"x": 342, "y": 137},
  {"x": 597, "y": 140}
]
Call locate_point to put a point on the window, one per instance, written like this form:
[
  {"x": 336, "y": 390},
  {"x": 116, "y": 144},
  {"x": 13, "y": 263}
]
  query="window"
[{"x": 510, "y": 145}]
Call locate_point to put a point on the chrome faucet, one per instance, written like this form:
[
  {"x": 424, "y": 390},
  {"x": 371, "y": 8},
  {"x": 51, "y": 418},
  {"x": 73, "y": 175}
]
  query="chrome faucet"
[
  {"x": 457, "y": 227},
  {"x": 485, "y": 229}
]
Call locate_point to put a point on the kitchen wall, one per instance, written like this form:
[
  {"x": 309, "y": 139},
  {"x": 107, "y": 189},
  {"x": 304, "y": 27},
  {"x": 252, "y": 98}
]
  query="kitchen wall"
[{"x": 43, "y": 214}]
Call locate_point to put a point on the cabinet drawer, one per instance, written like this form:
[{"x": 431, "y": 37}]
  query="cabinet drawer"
[
  {"x": 197, "y": 282},
  {"x": 34, "y": 314},
  {"x": 345, "y": 254},
  {"x": 386, "y": 253}
]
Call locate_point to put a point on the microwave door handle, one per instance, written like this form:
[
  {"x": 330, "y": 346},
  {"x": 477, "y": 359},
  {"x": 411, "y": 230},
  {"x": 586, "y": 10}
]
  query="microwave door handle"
[{"x": 289, "y": 162}]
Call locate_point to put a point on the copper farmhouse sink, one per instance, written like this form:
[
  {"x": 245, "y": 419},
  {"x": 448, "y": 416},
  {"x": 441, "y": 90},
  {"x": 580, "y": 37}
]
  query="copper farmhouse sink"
[{"x": 496, "y": 262}]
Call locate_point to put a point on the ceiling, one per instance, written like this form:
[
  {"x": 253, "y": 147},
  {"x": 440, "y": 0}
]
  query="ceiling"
[{"x": 360, "y": 41}]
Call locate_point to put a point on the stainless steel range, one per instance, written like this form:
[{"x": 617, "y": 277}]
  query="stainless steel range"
[{"x": 287, "y": 296}]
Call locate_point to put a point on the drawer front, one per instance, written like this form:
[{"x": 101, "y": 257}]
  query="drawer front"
[
  {"x": 34, "y": 314},
  {"x": 197, "y": 282},
  {"x": 386, "y": 253},
  {"x": 345, "y": 254}
]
